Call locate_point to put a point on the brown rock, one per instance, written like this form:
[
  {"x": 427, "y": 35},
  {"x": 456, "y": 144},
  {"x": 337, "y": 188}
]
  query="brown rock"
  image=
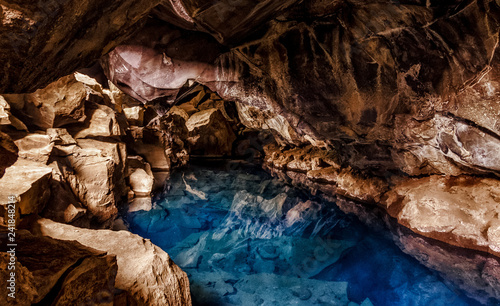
[
  {"x": 140, "y": 176},
  {"x": 35, "y": 147},
  {"x": 6, "y": 118},
  {"x": 42, "y": 41},
  {"x": 145, "y": 271},
  {"x": 24, "y": 282},
  {"x": 101, "y": 122},
  {"x": 210, "y": 133},
  {"x": 29, "y": 183},
  {"x": 60, "y": 103},
  {"x": 462, "y": 211},
  {"x": 46, "y": 262},
  {"x": 8, "y": 152},
  {"x": 95, "y": 170},
  {"x": 91, "y": 282}
]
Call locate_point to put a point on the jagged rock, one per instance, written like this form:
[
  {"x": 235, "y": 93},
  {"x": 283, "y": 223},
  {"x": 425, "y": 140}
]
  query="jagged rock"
[
  {"x": 210, "y": 133},
  {"x": 101, "y": 121},
  {"x": 24, "y": 282},
  {"x": 95, "y": 170},
  {"x": 35, "y": 147},
  {"x": 145, "y": 271},
  {"x": 462, "y": 211},
  {"x": 60, "y": 137},
  {"x": 140, "y": 176},
  {"x": 228, "y": 21},
  {"x": 63, "y": 205},
  {"x": 60, "y": 103},
  {"x": 477, "y": 274},
  {"x": 75, "y": 273},
  {"x": 8, "y": 152},
  {"x": 6, "y": 118},
  {"x": 29, "y": 185},
  {"x": 134, "y": 112}
]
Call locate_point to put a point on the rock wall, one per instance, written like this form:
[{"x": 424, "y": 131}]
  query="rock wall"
[{"x": 42, "y": 41}]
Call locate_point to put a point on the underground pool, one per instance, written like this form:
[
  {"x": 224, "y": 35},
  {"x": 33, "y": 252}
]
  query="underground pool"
[{"x": 246, "y": 238}]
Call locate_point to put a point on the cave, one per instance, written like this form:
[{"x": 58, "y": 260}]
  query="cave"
[{"x": 235, "y": 152}]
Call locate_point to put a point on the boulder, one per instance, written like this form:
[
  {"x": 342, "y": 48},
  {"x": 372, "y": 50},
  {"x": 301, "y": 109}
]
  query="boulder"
[
  {"x": 210, "y": 133},
  {"x": 95, "y": 172},
  {"x": 133, "y": 111},
  {"x": 35, "y": 147},
  {"x": 145, "y": 271},
  {"x": 27, "y": 184},
  {"x": 101, "y": 121},
  {"x": 141, "y": 178},
  {"x": 55, "y": 272},
  {"x": 461, "y": 211},
  {"x": 63, "y": 206},
  {"x": 60, "y": 103}
]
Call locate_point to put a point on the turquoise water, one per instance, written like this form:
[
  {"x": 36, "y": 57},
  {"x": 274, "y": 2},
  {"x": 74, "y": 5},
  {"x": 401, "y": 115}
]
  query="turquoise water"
[{"x": 245, "y": 238}]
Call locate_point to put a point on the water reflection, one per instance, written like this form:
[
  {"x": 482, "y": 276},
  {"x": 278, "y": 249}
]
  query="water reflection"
[{"x": 245, "y": 238}]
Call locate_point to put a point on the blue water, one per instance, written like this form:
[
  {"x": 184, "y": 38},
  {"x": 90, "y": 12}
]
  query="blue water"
[{"x": 245, "y": 238}]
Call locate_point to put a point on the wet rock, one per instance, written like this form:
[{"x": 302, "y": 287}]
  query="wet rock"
[
  {"x": 145, "y": 271},
  {"x": 458, "y": 210},
  {"x": 475, "y": 273},
  {"x": 302, "y": 293},
  {"x": 29, "y": 184}
]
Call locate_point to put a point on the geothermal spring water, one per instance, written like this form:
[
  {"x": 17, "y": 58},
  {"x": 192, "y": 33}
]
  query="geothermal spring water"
[{"x": 246, "y": 238}]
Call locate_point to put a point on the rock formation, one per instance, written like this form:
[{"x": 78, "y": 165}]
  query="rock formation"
[
  {"x": 51, "y": 271},
  {"x": 145, "y": 271},
  {"x": 393, "y": 103}
]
